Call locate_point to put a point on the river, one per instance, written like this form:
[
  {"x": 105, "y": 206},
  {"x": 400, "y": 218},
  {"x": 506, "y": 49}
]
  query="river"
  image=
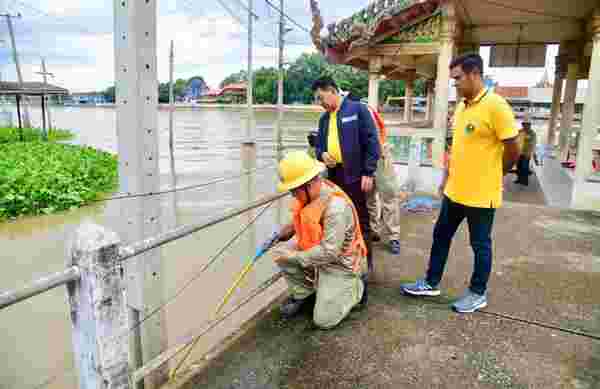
[{"x": 36, "y": 347}]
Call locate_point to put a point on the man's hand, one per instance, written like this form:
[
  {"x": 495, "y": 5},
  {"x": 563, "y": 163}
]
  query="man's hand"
[
  {"x": 366, "y": 184},
  {"x": 511, "y": 154},
  {"x": 281, "y": 253},
  {"x": 329, "y": 160},
  {"x": 441, "y": 189}
]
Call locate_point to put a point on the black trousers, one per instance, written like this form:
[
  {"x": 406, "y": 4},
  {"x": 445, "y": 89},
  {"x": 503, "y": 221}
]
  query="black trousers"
[
  {"x": 359, "y": 198},
  {"x": 481, "y": 222},
  {"x": 523, "y": 170}
]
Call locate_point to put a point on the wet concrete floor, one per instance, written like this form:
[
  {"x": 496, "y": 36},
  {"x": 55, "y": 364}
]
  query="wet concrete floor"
[{"x": 546, "y": 269}]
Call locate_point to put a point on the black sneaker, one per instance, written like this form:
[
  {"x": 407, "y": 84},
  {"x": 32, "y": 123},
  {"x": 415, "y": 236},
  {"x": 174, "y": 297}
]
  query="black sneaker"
[{"x": 291, "y": 307}]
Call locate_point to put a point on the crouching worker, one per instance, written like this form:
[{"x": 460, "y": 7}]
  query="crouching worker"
[{"x": 325, "y": 252}]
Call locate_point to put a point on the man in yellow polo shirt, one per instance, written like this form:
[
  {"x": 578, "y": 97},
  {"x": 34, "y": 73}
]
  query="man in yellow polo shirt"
[{"x": 484, "y": 148}]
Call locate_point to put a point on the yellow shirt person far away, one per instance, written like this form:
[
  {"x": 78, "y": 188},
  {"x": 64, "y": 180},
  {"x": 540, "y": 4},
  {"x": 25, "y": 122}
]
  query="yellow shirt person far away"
[
  {"x": 476, "y": 171},
  {"x": 333, "y": 139}
]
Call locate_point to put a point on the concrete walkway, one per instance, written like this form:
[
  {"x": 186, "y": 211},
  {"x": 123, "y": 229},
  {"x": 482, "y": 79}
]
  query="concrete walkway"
[
  {"x": 555, "y": 183},
  {"x": 544, "y": 270}
]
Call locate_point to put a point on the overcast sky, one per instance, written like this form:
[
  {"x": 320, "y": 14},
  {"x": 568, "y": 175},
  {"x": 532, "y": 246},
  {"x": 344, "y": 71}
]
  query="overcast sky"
[{"x": 75, "y": 37}]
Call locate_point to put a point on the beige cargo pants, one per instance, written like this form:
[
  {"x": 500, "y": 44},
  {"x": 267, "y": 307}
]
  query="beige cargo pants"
[{"x": 338, "y": 291}]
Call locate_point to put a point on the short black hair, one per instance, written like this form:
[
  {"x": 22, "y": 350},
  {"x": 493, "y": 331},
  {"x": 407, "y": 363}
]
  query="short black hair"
[
  {"x": 470, "y": 63},
  {"x": 324, "y": 83}
]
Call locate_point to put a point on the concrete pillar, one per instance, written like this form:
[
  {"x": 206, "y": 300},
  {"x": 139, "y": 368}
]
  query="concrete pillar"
[
  {"x": 137, "y": 133},
  {"x": 98, "y": 310},
  {"x": 408, "y": 99},
  {"x": 374, "y": 90},
  {"x": 375, "y": 64},
  {"x": 589, "y": 127},
  {"x": 568, "y": 110},
  {"x": 556, "y": 100},
  {"x": 429, "y": 106},
  {"x": 442, "y": 86},
  {"x": 448, "y": 32},
  {"x": 414, "y": 162},
  {"x": 248, "y": 151}
]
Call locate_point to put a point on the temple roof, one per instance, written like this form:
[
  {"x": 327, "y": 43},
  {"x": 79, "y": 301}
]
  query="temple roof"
[{"x": 370, "y": 25}]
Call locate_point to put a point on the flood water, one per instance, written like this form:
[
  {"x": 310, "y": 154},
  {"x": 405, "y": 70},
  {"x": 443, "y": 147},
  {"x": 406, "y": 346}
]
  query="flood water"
[{"x": 35, "y": 341}]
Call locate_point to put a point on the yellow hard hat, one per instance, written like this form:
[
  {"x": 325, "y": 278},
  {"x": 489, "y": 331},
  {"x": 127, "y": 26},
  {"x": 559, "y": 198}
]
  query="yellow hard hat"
[{"x": 296, "y": 169}]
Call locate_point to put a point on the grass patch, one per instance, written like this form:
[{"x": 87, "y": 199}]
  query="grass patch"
[
  {"x": 44, "y": 177},
  {"x": 12, "y": 134}
]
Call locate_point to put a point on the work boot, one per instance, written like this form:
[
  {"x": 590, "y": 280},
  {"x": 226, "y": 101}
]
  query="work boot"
[
  {"x": 395, "y": 247},
  {"x": 291, "y": 307},
  {"x": 365, "y": 296}
]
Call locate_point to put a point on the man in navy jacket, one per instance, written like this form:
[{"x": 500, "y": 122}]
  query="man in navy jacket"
[{"x": 348, "y": 144}]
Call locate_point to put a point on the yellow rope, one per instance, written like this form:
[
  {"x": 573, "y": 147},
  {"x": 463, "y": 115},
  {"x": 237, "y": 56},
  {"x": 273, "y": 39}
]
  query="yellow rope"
[{"x": 228, "y": 295}]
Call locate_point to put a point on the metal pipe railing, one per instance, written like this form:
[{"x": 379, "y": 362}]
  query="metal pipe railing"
[
  {"x": 38, "y": 286},
  {"x": 141, "y": 247},
  {"x": 51, "y": 281}
]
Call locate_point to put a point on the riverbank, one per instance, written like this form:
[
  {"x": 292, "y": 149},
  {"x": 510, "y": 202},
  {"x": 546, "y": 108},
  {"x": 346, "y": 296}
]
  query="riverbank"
[{"x": 237, "y": 107}]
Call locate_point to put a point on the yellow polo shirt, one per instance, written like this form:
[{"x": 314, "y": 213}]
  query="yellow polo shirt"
[
  {"x": 333, "y": 138},
  {"x": 475, "y": 174}
]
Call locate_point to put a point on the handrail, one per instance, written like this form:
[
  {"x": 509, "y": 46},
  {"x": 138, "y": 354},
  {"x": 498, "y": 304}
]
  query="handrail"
[
  {"x": 141, "y": 247},
  {"x": 39, "y": 286},
  {"x": 63, "y": 277}
]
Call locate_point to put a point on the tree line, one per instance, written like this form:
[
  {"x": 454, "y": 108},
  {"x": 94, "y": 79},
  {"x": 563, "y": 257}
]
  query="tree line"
[
  {"x": 300, "y": 75},
  {"x": 298, "y": 79}
]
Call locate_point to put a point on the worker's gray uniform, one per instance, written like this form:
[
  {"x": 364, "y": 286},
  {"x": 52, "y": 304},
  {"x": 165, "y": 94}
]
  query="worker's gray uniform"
[
  {"x": 386, "y": 191},
  {"x": 338, "y": 288}
]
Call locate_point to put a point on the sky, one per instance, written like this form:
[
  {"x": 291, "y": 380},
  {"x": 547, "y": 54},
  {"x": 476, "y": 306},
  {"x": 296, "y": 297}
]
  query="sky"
[{"x": 210, "y": 37}]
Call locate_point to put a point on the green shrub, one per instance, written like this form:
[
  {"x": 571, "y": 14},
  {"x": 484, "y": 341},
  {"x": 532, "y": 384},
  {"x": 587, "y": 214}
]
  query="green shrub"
[
  {"x": 12, "y": 134},
  {"x": 45, "y": 177}
]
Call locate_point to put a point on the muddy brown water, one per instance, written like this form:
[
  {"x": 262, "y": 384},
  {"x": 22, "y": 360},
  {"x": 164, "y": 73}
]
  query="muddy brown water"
[{"x": 36, "y": 346}]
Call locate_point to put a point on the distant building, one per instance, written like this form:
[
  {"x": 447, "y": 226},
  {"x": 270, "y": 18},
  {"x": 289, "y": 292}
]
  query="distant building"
[
  {"x": 231, "y": 93},
  {"x": 533, "y": 99},
  {"x": 195, "y": 89},
  {"x": 89, "y": 98}
]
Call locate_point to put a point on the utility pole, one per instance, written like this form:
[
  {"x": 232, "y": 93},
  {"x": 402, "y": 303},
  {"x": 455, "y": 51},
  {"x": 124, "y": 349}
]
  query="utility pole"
[
  {"x": 45, "y": 73},
  {"x": 26, "y": 121},
  {"x": 171, "y": 106},
  {"x": 250, "y": 83},
  {"x": 281, "y": 42},
  {"x": 282, "y": 31}
]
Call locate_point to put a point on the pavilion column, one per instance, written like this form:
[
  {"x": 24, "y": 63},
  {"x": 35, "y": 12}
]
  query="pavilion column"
[
  {"x": 590, "y": 124},
  {"x": 556, "y": 100},
  {"x": 568, "y": 106},
  {"x": 442, "y": 83},
  {"x": 374, "y": 75},
  {"x": 429, "y": 106},
  {"x": 408, "y": 98},
  {"x": 568, "y": 111},
  {"x": 442, "y": 87}
]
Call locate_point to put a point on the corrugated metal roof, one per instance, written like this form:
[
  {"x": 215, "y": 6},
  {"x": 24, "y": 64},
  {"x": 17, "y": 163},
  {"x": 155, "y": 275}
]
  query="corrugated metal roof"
[{"x": 30, "y": 88}]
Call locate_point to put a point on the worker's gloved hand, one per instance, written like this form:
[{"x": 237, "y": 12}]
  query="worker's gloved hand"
[{"x": 282, "y": 252}]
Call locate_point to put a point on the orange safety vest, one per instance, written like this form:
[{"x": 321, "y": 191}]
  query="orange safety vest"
[
  {"x": 309, "y": 231},
  {"x": 380, "y": 126}
]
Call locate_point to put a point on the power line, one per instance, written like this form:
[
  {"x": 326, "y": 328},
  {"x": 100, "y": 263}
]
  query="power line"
[
  {"x": 195, "y": 277},
  {"x": 184, "y": 188},
  {"x": 287, "y": 16}
]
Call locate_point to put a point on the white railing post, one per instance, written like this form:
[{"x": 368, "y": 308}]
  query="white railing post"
[{"x": 98, "y": 310}]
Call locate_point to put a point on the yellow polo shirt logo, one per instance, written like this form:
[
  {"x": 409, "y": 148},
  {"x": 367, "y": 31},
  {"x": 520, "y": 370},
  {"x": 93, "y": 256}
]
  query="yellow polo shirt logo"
[{"x": 475, "y": 174}]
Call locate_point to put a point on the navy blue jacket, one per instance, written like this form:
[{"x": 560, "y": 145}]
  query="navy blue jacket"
[{"x": 359, "y": 141}]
